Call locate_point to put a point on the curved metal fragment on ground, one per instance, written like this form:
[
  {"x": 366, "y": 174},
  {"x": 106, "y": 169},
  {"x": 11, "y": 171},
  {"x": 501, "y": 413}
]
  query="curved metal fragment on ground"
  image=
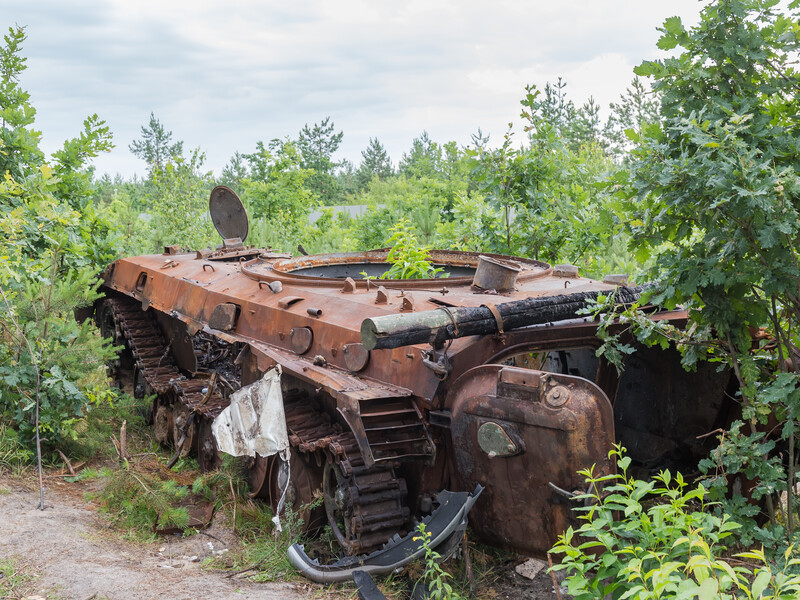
[{"x": 449, "y": 518}]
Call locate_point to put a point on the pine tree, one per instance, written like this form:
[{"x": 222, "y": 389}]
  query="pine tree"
[
  {"x": 317, "y": 146},
  {"x": 154, "y": 147},
  {"x": 375, "y": 162}
]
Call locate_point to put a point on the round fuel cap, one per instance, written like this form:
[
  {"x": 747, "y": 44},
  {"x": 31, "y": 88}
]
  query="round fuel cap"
[{"x": 227, "y": 213}]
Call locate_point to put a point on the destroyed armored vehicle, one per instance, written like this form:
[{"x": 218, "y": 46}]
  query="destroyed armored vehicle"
[{"x": 401, "y": 399}]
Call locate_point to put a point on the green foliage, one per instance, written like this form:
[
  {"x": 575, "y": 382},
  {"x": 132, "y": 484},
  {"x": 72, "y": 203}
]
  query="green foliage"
[
  {"x": 424, "y": 159},
  {"x": 331, "y": 232},
  {"x": 263, "y": 549},
  {"x": 656, "y": 539},
  {"x": 409, "y": 260},
  {"x": 52, "y": 244},
  {"x": 137, "y": 502},
  {"x": 712, "y": 201},
  {"x": 15, "y": 580},
  {"x": 154, "y": 147},
  {"x": 375, "y": 162},
  {"x": 52, "y": 367},
  {"x": 19, "y": 141},
  {"x": 276, "y": 194},
  {"x": 317, "y": 145},
  {"x": 637, "y": 107},
  {"x": 179, "y": 204},
  {"x": 434, "y": 576},
  {"x": 546, "y": 193},
  {"x": 14, "y": 455}
]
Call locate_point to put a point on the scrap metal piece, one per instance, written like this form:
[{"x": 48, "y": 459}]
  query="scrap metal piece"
[
  {"x": 446, "y": 523},
  {"x": 365, "y": 586}
]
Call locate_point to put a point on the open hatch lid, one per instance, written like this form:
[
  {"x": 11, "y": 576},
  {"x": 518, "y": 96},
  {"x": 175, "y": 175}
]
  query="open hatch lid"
[{"x": 228, "y": 213}]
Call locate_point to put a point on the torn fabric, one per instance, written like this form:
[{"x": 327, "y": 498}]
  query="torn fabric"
[{"x": 254, "y": 423}]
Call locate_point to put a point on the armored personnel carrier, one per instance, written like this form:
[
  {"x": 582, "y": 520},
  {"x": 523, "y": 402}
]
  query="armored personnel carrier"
[{"x": 401, "y": 396}]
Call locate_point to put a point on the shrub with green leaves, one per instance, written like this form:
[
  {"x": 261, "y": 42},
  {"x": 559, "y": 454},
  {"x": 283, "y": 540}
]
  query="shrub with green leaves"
[
  {"x": 52, "y": 246},
  {"x": 643, "y": 540},
  {"x": 408, "y": 258},
  {"x": 711, "y": 199}
]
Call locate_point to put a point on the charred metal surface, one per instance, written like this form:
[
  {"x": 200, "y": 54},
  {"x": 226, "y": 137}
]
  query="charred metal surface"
[
  {"x": 515, "y": 431},
  {"x": 448, "y": 323}
]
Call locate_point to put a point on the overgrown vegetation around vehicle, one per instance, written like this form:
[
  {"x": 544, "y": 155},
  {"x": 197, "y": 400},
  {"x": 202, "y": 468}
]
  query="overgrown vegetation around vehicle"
[
  {"x": 692, "y": 182},
  {"x": 658, "y": 539}
]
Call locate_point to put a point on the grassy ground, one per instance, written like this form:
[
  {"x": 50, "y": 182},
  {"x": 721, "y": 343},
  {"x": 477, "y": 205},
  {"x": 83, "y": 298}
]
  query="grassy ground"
[
  {"x": 139, "y": 494},
  {"x": 18, "y": 582}
]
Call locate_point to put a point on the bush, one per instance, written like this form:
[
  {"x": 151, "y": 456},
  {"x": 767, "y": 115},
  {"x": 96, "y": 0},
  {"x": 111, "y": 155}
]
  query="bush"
[{"x": 655, "y": 539}]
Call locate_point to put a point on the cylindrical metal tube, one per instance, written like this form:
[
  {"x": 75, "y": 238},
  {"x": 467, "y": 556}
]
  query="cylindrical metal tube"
[{"x": 447, "y": 323}]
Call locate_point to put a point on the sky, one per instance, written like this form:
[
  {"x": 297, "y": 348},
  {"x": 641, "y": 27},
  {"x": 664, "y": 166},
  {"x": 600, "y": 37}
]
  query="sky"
[{"x": 223, "y": 75}]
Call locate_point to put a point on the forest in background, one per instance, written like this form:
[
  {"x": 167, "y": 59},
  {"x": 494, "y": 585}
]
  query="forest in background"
[
  {"x": 538, "y": 192},
  {"x": 692, "y": 182}
]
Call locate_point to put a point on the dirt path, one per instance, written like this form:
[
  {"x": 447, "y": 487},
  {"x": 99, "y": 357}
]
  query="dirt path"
[{"x": 76, "y": 558}]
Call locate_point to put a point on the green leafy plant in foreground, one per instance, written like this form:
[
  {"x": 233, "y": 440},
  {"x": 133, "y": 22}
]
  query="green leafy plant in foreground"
[
  {"x": 434, "y": 576},
  {"x": 14, "y": 455},
  {"x": 655, "y": 539}
]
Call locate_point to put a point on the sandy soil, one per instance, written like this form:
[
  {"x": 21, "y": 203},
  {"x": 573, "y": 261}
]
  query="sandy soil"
[
  {"x": 76, "y": 557},
  {"x": 68, "y": 545}
]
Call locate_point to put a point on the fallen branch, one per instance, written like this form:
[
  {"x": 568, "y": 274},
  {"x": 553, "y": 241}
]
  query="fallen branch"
[
  {"x": 66, "y": 462},
  {"x": 115, "y": 441},
  {"x": 251, "y": 568},
  {"x": 553, "y": 575}
]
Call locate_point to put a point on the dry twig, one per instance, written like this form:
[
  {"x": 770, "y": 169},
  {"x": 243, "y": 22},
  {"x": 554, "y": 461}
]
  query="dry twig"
[{"x": 66, "y": 462}]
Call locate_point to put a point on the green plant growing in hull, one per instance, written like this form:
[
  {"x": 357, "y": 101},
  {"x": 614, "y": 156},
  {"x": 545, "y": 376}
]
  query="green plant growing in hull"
[
  {"x": 643, "y": 540},
  {"x": 409, "y": 260}
]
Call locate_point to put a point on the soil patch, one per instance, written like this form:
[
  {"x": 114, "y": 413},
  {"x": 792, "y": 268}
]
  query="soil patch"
[{"x": 76, "y": 557}]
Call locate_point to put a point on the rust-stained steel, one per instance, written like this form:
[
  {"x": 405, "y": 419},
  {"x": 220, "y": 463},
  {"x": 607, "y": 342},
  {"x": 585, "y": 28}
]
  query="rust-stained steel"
[{"x": 517, "y": 405}]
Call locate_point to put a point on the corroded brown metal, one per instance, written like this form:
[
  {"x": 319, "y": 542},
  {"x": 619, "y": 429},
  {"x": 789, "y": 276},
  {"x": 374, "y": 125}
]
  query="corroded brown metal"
[
  {"x": 549, "y": 423},
  {"x": 515, "y": 412}
]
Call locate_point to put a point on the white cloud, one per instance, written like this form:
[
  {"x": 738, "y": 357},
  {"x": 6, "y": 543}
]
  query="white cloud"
[{"x": 222, "y": 76}]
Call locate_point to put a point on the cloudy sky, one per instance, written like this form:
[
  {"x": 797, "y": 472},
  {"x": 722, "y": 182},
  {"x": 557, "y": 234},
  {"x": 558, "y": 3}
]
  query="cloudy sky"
[{"x": 223, "y": 75}]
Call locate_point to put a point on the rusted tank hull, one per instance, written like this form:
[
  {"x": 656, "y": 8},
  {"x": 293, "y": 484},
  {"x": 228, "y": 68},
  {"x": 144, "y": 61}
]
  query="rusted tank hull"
[{"x": 381, "y": 430}]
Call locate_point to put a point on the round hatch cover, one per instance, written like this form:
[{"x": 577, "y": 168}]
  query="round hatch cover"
[{"x": 227, "y": 213}]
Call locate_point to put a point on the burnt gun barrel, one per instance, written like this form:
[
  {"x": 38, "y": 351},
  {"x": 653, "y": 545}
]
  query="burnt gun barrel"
[{"x": 437, "y": 326}]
